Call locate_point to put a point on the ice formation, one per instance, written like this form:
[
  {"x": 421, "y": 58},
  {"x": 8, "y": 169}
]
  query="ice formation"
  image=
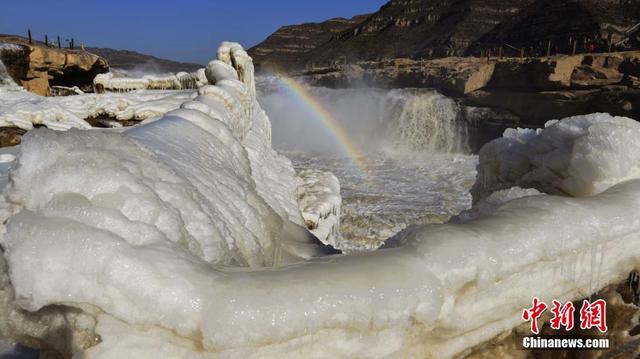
[
  {"x": 319, "y": 200},
  {"x": 447, "y": 289},
  {"x": 19, "y": 108},
  {"x": 124, "y": 233},
  {"x": 222, "y": 196},
  {"x": 110, "y": 82},
  {"x": 578, "y": 156}
]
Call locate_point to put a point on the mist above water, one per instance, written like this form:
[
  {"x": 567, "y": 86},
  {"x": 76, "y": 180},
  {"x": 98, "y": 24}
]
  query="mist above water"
[
  {"x": 415, "y": 147},
  {"x": 391, "y": 122}
]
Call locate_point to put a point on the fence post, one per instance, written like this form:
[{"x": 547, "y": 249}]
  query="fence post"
[
  {"x": 46, "y": 40},
  {"x": 575, "y": 42},
  {"x": 549, "y": 48},
  {"x": 71, "y": 44},
  {"x": 59, "y": 44},
  {"x": 500, "y": 52},
  {"x": 29, "y": 34}
]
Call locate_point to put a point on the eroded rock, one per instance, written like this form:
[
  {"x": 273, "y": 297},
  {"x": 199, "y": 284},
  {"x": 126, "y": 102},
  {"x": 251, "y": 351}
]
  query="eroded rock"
[{"x": 37, "y": 66}]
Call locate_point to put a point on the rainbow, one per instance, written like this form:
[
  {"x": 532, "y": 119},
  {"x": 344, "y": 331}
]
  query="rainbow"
[{"x": 350, "y": 148}]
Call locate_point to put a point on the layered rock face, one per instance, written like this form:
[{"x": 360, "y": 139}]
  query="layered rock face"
[
  {"x": 564, "y": 22},
  {"x": 37, "y": 67},
  {"x": 520, "y": 92},
  {"x": 290, "y": 46},
  {"x": 436, "y": 28},
  {"x": 418, "y": 29}
]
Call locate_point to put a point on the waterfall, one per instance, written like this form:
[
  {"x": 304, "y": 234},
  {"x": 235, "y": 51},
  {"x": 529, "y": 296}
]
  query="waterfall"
[
  {"x": 5, "y": 79},
  {"x": 424, "y": 121},
  {"x": 390, "y": 121}
]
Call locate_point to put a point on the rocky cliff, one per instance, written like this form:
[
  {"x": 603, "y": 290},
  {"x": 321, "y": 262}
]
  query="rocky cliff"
[
  {"x": 289, "y": 46},
  {"x": 444, "y": 28},
  {"x": 419, "y": 29},
  {"x": 523, "y": 92},
  {"x": 565, "y": 27},
  {"x": 37, "y": 66}
]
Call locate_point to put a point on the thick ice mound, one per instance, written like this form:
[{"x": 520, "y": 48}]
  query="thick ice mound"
[
  {"x": 110, "y": 82},
  {"x": 319, "y": 200},
  {"x": 451, "y": 287},
  {"x": 19, "y": 108},
  {"x": 224, "y": 195},
  {"x": 201, "y": 185},
  {"x": 578, "y": 156}
]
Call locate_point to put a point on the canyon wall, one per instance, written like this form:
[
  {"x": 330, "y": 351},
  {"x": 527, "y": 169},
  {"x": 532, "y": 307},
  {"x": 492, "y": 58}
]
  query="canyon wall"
[{"x": 435, "y": 29}]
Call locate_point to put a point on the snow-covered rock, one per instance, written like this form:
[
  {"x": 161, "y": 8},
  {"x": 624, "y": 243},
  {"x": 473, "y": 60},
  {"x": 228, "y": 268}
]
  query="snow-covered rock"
[
  {"x": 578, "y": 156},
  {"x": 487, "y": 206},
  {"x": 450, "y": 288},
  {"x": 215, "y": 187},
  {"x": 210, "y": 190},
  {"x": 19, "y": 108},
  {"x": 109, "y": 82}
]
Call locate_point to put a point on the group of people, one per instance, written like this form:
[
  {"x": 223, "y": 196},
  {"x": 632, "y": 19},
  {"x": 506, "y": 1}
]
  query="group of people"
[{"x": 587, "y": 43}]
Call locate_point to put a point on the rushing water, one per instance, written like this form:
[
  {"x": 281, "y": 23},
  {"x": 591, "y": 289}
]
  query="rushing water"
[
  {"x": 5, "y": 80},
  {"x": 417, "y": 167},
  {"x": 395, "y": 192}
]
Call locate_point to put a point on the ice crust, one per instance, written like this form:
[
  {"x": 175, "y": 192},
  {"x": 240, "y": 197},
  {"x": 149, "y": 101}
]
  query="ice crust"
[
  {"x": 19, "y": 108},
  {"x": 449, "y": 288},
  {"x": 578, "y": 156},
  {"x": 110, "y": 82},
  {"x": 137, "y": 232},
  {"x": 319, "y": 200}
]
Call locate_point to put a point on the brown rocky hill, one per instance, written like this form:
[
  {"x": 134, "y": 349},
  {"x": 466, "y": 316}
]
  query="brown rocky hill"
[
  {"x": 131, "y": 60},
  {"x": 419, "y": 28},
  {"x": 442, "y": 28},
  {"x": 557, "y": 24},
  {"x": 289, "y": 45}
]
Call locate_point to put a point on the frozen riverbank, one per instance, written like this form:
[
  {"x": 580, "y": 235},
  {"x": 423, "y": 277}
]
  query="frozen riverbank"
[{"x": 144, "y": 261}]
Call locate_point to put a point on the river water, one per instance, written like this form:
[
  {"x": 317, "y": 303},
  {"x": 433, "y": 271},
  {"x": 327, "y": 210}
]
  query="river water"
[{"x": 417, "y": 167}]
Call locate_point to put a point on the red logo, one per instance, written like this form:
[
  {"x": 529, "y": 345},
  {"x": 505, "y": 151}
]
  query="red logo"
[
  {"x": 532, "y": 314},
  {"x": 562, "y": 315},
  {"x": 592, "y": 315}
]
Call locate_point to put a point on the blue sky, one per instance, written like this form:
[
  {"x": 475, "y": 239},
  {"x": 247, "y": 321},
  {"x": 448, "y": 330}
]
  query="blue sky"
[{"x": 187, "y": 30}]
